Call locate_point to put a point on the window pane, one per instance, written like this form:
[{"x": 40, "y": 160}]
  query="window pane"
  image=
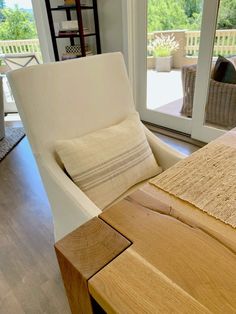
[
  {"x": 172, "y": 55},
  {"x": 221, "y": 103}
]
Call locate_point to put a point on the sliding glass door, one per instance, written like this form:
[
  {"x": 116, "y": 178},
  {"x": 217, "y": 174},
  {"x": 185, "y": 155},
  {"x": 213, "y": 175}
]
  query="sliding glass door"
[
  {"x": 215, "y": 101},
  {"x": 175, "y": 45}
]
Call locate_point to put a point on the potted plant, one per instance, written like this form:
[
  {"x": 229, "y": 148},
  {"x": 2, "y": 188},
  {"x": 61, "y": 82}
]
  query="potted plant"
[{"x": 163, "y": 47}]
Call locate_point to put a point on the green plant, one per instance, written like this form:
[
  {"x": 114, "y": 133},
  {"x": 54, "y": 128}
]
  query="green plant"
[
  {"x": 16, "y": 24},
  {"x": 164, "y": 45}
]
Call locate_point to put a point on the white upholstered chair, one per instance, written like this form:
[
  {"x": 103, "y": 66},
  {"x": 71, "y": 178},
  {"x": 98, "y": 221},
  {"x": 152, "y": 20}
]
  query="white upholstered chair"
[{"x": 68, "y": 99}]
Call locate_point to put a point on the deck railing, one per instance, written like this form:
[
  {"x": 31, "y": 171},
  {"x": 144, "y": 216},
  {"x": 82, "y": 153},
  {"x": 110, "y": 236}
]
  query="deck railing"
[
  {"x": 20, "y": 46},
  {"x": 225, "y": 42}
]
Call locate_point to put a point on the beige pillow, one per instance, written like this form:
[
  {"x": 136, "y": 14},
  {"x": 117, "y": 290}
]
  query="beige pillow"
[{"x": 106, "y": 163}]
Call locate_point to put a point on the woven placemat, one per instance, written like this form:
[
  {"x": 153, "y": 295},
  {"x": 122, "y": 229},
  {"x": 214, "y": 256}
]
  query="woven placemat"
[{"x": 206, "y": 179}]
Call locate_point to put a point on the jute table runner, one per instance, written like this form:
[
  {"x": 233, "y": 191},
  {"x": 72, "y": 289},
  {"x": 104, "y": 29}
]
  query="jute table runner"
[{"x": 206, "y": 179}]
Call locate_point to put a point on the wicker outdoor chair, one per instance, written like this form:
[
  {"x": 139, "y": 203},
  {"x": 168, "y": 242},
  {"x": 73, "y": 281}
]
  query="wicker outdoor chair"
[{"x": 221, "y": 103}]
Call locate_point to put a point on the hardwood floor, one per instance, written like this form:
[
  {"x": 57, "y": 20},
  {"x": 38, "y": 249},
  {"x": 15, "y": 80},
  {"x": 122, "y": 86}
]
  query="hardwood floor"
[{"x": 30, "y": 281}]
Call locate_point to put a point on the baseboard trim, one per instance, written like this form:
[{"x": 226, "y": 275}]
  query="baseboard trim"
[{"x": 174, "y": 134}]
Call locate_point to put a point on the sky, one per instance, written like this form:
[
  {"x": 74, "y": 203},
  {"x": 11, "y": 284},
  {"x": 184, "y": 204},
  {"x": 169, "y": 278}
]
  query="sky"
[{"x": 25, "y": 4}]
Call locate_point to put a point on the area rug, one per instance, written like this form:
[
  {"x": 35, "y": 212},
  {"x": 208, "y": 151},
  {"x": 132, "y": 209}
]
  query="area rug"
[
  {"x": 206, "y": 179},
  {"x": 12, "y": 137}
]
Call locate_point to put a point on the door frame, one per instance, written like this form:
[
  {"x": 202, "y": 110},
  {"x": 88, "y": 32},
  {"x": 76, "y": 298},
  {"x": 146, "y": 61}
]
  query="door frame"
[
  {"x": 135, "y": 35},
  {"x": 41, "y": 21},
  {"x": 209, "y": 22}
]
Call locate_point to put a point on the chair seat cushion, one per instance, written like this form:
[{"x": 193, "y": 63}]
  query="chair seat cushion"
[{"x": 106, "y": 163}]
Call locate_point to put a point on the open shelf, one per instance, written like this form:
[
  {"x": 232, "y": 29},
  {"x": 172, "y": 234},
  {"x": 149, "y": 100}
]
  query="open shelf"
[
  {"x": 75, "y": 35},
  {"x": 74, "y": 12}
]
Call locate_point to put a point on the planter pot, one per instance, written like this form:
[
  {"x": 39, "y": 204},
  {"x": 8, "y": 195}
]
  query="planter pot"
[{"x": 164, "y": 64}]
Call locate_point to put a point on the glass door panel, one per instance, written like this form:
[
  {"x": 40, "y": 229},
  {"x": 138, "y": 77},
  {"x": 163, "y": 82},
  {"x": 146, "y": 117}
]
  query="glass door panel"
[
  {"x": 173, "y": 36},
  {"x": 220, "y": 111},
  {"x": 175, "y": 99},
  {"x": 205, "y": 88}
]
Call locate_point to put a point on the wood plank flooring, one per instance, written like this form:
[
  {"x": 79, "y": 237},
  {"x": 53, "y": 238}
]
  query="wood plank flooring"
[{"x": 30, "y": 280}]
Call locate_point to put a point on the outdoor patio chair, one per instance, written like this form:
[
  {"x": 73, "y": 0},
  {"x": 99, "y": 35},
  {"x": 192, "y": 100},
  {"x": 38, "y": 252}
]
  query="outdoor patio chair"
[
  {"x": 66, "y": 100},
  {"x": 14, "y": 62},
  {"x": 221, "y": 103},
  {"x": 19, "y": 60}
]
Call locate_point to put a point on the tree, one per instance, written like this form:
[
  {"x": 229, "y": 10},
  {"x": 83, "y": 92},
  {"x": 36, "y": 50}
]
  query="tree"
[
  {"x": 166, "y": 15},
  {"x": 193, "y": 11},
  {"x": 227, "y": 14},
  {"x": 186, "y": 14},
  {"x": 191, "y": 7},
  {"x": 17, "y": 24}
]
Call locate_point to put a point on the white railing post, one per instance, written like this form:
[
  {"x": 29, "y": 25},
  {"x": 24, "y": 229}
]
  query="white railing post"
[
  {"x": 20, "y": 46},
  {"x": 225, "y": 42}
]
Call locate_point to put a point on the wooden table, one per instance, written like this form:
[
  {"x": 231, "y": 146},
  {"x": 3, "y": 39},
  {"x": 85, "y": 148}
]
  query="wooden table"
[{"x": 150, "y": 253}]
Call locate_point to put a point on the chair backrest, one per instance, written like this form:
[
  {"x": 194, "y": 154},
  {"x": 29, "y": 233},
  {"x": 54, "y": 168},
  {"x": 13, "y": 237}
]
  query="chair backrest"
[
  {"x": 71, "y": 98},
  {"x": 17, "y": 61}
]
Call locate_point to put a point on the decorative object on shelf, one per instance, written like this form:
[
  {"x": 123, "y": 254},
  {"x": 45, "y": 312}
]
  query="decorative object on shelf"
[
  {"x": 74, "y": 51},
  {"x": 56, "y": 28},
  {"x": 69, "y": 2},
  {"x": 162, "y": 48},
  {"x": 68, "y": 34},
  {"x": 73, "y": 2},
  {"x": 73, "y": 29},
  {"x": 69, "y": 56},
  {"x": 71, "y": 32},
  {"x": 69, "y": 25}
]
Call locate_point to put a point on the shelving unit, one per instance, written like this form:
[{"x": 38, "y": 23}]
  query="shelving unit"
[{"x": 78, "y": 8}]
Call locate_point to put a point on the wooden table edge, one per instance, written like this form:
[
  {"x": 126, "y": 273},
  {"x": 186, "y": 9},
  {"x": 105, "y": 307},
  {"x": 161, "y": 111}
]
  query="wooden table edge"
[{"x": 83, "y": 253}]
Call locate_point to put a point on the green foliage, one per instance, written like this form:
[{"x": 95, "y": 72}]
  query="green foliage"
[
  {"x": 194, "y": 22},
  {"x": 186, "y": 14},
  {"x": 161, "y": 52},
  {"x": 227, "y": 14},
  {"x": 16, "y": 24},
  {"x": 166, "y": 15},
  {"x": 164, "y": 45},
  {"x": 192, "y": 7}
]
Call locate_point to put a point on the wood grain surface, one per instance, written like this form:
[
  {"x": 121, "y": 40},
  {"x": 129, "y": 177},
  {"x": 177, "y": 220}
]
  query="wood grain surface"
[
  {"x": 160, "y": 201},
  {"x": 30, "y": 280},
  {"x": 81, "y": 254},
  {"x": 171, "y": 267}
]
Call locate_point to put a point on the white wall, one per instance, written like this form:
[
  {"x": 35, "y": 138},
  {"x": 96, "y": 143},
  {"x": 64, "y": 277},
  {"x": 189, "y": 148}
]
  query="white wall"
[
  {"x": 41, "y": 20},
  {"x": 111, "y": 28},
  {"x": 110, "y": 21}
]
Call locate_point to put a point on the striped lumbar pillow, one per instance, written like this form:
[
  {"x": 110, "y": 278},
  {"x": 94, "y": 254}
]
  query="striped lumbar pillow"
[{"x": 106, "y": 163}]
